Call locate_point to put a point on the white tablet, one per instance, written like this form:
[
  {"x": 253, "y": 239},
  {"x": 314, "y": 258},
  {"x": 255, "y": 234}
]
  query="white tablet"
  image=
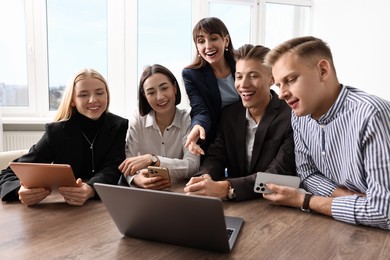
[{"x": 44, "y": 175}]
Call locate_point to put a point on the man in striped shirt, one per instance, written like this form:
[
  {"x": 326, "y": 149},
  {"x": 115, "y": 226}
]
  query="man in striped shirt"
[{"x": 341, "y": 135}]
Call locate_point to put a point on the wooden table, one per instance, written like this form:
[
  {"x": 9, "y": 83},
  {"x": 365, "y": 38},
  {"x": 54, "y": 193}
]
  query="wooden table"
[{"x": 54, "y": 230}]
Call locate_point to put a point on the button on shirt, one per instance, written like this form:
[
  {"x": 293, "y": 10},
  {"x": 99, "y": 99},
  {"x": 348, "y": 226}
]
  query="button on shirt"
[
  {"x": 144, "y": 137},
  {"x": 348, "y": 147}
]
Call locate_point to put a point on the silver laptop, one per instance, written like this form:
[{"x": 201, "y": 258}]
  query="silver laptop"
[{"x": 170, "y": 217}]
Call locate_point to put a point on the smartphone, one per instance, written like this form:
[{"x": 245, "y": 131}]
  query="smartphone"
[
  {"x": 158, "y": 171},
  {"x": 262, "y": 178}
]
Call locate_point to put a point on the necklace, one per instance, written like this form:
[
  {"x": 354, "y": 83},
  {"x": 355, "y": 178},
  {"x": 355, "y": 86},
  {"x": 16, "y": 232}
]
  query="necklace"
[{"x": 91, "y": 147}]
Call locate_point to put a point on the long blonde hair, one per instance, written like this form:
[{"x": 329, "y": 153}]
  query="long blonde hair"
[{"x": 65, "y": 109}]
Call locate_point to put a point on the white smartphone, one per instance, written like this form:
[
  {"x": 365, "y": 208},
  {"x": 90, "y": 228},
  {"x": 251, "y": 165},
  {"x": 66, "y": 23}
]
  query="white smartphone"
[
  {"x": 263, "y": 178},
  {"x": 158, "y": 171}
]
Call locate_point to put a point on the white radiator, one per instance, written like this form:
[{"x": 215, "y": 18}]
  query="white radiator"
[{"x": 16, "y": 140}]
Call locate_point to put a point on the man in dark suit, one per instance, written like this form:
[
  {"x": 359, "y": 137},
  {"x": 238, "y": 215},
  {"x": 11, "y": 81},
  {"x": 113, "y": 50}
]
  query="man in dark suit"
[{"x": 254, "y": 135}]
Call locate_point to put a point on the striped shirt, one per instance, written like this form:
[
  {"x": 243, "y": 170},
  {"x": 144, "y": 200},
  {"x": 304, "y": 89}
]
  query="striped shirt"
[{"x": 348, "y": 147}]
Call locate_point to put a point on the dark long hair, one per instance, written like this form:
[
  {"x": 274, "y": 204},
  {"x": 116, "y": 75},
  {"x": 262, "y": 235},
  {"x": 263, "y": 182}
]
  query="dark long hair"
[{"x": 210, "y": 25}]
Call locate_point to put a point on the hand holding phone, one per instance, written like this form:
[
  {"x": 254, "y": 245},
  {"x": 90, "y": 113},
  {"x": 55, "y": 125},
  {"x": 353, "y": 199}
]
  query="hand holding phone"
[
  {"x": 159, "y": 171},
  {"x": 263, "y": 178}
]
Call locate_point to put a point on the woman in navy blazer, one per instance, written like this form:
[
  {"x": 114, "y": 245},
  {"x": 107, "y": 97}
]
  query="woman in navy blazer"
[
  {"x": 209, "y": 81},
  {"x": 83, "y": 135}
]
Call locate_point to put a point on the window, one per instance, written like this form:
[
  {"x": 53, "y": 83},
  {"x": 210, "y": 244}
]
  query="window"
[
  {"x": 165, "y": 35},
  {"x": 295, "y": 23},
  {"x": 76, "y": 39},
  {"x": 52, "y": 39},
  {"x": 237, "y": 18},
  {"x": 13, "y": 58}
]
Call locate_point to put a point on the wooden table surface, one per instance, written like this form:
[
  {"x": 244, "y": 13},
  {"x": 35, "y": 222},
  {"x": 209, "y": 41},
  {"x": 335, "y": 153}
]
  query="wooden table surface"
[{"x": 54, "y": 230}]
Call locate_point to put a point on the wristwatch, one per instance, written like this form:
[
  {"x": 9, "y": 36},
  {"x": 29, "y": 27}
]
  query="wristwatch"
[
  {"x": 153, "y": 160},
  {"x": 231, "y": 195},
  {"x": 306, "y": 202}
]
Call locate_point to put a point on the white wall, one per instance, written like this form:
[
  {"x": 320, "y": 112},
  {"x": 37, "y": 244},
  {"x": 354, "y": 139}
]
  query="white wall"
[{"x": 359, "y": 35}]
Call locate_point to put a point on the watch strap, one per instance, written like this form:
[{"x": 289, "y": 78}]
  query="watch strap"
[{"x": 306, "y": 202}]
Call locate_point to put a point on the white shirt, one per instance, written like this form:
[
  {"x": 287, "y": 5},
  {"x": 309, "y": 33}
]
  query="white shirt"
[
  {"x": 250, "y": 137},
  {"x": 144, "y": 137}
]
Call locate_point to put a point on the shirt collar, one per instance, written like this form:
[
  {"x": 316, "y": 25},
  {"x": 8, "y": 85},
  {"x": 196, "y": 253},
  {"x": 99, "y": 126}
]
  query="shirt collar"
[
  {"x": 151, "y": 119},
  {"x": 252, "y": 123},
  {"x": 335, "y": 108}
]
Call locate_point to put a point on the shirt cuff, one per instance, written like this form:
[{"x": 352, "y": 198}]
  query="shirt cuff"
[
  {"x": 130, "y": 178},
  {"x": 343, "y": 208}
]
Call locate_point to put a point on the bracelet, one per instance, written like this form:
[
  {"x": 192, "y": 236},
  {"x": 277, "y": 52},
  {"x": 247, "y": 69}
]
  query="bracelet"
[{"x": 306, "y": 202}]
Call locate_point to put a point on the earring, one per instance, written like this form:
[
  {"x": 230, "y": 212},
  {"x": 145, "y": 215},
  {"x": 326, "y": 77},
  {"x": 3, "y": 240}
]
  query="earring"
[
  {"x": 226, "y": 49},
  {"x": 198, "y": 54}
]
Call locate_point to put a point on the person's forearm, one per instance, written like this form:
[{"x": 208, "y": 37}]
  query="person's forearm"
[{"x": 321, "y": 205}]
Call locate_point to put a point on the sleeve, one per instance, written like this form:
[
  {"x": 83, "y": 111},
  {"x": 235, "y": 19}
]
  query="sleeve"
[
  {"x": 215, "y": 161},
  {"x": 187, "y": 166},
  {"x": 114, "y": 155},
  {"x": 200, "y": 114},
  {"x": 374, "y": 208},
  {"x": 9, "y": 182},
  {"x": 311, "y": 177},
  {"x": 134, "y": 136}
]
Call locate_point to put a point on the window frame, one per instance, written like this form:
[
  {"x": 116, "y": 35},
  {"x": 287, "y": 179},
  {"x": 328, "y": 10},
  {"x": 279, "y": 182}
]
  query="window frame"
[{"x": 122, "y": 53}]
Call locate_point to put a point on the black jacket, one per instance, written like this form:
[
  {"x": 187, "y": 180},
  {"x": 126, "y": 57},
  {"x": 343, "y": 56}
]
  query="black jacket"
[
  {"x": 273, "y": 148},
  {"x": 205, "y": 99},
  {"x": 63, "y": 142}
]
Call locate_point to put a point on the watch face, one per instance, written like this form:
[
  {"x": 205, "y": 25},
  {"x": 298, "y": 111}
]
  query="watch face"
[{"x": 232, "y": 195}]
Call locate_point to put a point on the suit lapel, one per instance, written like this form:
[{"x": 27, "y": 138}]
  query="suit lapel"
[
  {"x": 241, "y": 125},
  {"x": 211, "y": 85}
]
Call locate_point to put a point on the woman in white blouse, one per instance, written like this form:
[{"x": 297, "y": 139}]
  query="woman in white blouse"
[{"x": 158, "y": 132}]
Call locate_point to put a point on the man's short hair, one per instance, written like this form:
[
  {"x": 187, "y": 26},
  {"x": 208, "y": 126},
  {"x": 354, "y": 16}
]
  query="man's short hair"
[{"x": 308, "y": 48}]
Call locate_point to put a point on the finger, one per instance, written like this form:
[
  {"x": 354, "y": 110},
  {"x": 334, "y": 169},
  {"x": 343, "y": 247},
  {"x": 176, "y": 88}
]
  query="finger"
[
  {"x": 32, "y": 191},
  {"x": 190, "y": 139},
  {"x": 195, "y": 149},
  {"x": 121, "y": 166},
  {"x": 193, "y": 187},
  {"x": 194, "y": 180},
  {"x": 202, "y": 133},
  {"x": 160, "y": 185},
  {"x": 267, "y": 196},
  {"x": 130, "y": 169},
  {"x": 272, "y": 187},
  {"x": 74, "y": 202},
  {"x": 34, "y": 198},
  {"x": 155, "y": 182},
  {"x": 79, "y": 182},
  {"x": 133, "y": 170}
]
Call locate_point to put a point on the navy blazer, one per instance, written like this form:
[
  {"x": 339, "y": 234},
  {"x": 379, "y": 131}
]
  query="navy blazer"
[
  {"x": 273, "y": 148},
  {"x": 205, "y": 98},
  {"x": 62, "y": 143}
]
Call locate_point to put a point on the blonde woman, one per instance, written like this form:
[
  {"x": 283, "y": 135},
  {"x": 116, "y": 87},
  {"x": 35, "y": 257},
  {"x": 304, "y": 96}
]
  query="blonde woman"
[{"x": 85, "y": 135}]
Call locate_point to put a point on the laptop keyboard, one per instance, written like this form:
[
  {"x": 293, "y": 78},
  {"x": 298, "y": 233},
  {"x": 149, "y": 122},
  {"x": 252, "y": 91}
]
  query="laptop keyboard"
[{"x": 229, "y": 232}]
